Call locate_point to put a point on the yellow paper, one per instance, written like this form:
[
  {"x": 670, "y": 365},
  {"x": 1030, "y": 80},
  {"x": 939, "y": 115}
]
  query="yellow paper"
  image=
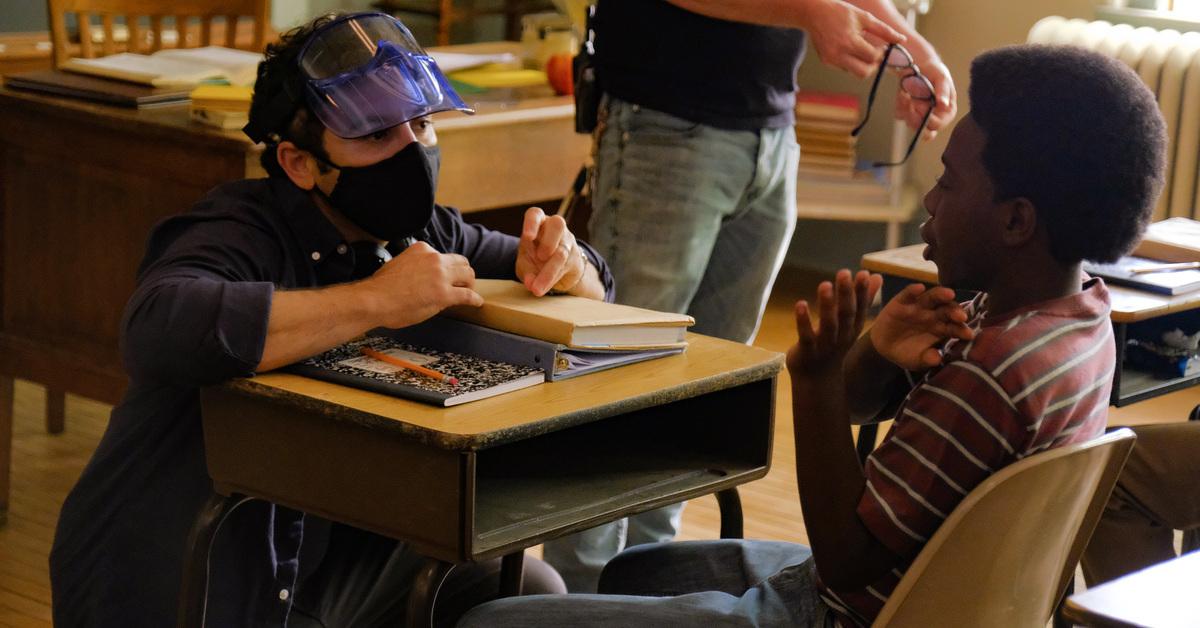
[{"x": 487, "y": 77}]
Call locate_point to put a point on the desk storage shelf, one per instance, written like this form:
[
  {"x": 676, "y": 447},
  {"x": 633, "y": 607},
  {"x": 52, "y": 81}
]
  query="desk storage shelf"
[{"x": 488, "y": 478}]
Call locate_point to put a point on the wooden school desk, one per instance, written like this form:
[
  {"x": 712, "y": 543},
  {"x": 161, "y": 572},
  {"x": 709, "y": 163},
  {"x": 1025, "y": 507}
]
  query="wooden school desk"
[
  {"x": 1162, "y": 595},
  {"x": 81, "y": 184},
  {"x": 490, "y": 478}
]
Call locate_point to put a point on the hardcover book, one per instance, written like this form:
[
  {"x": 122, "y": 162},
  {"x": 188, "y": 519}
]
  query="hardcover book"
[
  {"x": 1122, "y": 273},
  {"x": 477, "y": 378},
  {"x": 96, "y": 89},
  {"x": 572, "y": 321}
]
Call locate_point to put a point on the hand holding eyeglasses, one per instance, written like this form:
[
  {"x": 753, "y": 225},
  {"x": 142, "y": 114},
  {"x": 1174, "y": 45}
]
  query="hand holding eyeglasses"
[
  {"x": 918, "y": 100},
  {"x": 845, "y": 36},
  {"x": 945, "y": 108}
]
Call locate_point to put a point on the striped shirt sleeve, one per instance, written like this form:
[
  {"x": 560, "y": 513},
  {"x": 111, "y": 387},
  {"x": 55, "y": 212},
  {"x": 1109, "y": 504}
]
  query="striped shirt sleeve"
[{"x": 954, "y": 430}]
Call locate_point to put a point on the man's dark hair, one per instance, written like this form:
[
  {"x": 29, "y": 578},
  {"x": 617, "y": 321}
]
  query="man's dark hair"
[
  {"x": 1079, "y": 135},
  {"x": 280, "y": 80}
]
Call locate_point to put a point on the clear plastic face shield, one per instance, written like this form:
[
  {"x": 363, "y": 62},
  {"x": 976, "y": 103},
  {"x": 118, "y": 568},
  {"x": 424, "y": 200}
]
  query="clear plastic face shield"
[{"x": 367, "y": 73}]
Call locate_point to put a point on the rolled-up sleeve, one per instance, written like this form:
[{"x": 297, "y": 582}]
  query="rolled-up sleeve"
[{"x": 200, "y": 312}]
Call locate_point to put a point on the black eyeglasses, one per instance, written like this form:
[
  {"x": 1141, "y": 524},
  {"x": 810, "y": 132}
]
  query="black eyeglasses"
[{"x": 913, "y": 83}]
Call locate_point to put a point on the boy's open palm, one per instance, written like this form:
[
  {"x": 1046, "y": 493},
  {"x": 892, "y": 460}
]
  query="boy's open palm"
[
  {"x": 911, "y": 325},
  {"x": 842, "y": 310}
]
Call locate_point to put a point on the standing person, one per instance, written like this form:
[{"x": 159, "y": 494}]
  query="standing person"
[
  {"x": 1157, "y": 493},
  {"x": 1031, "y": 188},
  {"x": 694, "y": 197},
  {"x": 342, "y": 237}
]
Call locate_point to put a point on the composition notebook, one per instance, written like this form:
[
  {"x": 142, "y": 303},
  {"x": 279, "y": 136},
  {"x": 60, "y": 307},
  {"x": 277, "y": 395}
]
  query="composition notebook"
[{"x": 477, "y": 378}]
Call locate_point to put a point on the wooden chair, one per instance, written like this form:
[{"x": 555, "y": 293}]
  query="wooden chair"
[
  {"x": 195, "y": 23},
  {"x": 1005, "y": 555},
  {"x": 447, "y": 14}
]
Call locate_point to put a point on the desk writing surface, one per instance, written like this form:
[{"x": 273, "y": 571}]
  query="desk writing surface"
[
  {"x": 1128, "y": 305},
  {"x": 1162, "y": 595},
  {"x": 707, "y": 364},
  {"x": 486, "y": 478}
]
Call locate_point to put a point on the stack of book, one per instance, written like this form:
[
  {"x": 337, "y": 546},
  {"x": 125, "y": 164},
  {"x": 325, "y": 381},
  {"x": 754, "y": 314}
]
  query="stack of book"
[
  {"x": 222, "y": 106},
  {"x": 824, "y": 121},
  {"x": 515, "y": 340},
  {"x": 827, "y": 173}
]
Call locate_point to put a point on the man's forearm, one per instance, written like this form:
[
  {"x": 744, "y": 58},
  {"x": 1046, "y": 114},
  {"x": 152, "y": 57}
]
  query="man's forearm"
[
  {"x": 786, "y": 13},
  {"x": 306, "y": 322},
  {"x": 831, "y": 483}
]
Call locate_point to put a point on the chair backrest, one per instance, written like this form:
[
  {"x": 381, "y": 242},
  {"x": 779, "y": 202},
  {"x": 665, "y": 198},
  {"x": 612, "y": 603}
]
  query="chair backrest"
[
  {"x": 195, "y": 23},
  {"x": 1004, "y": 556}
]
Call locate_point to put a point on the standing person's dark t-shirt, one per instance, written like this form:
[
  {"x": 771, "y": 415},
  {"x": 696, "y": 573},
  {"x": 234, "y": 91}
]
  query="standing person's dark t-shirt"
[{"x": 729, "y": 75}]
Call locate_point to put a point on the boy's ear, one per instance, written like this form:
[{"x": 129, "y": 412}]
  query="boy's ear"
[
  {"x": 1020, "y": 221},
  {"x": 297, "y": 163}
]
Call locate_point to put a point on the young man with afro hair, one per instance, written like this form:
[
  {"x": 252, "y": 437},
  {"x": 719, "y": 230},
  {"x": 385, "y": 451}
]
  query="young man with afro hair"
[{"x": 1060, "y": 161}]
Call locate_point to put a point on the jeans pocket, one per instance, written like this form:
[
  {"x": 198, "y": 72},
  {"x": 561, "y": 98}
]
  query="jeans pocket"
[{"x": 651, "y": 125}]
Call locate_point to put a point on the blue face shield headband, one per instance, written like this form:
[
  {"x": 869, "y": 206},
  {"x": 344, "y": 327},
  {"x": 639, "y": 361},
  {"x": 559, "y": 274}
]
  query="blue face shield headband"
[{"x": 367, "y": 73}]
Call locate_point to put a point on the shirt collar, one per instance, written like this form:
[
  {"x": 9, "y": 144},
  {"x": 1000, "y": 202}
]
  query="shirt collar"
[{"x": 320, "y": 242}]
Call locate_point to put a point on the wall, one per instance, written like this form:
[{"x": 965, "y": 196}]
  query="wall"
[
  {"x": 959, "y": 29},
  {"x": 21, "y": 16}
]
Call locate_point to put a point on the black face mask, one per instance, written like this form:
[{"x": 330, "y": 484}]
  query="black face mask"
[{"x": 392, "y": 199}]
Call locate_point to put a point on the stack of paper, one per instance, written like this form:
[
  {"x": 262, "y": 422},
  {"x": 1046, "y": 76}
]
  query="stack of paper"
[{"x": 174, "y": 67}]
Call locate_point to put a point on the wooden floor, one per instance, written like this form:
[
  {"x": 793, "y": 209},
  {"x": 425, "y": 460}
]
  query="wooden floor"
[{"x": 44, "y": 468}]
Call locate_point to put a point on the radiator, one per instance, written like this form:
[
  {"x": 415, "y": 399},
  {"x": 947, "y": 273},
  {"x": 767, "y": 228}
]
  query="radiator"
[{"x": 1169, "y": 63}]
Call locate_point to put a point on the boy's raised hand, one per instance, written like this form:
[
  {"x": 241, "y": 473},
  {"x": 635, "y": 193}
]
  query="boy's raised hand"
[
  {"x": 842, "y": 310},
  {"x": 911, "y": 325}
]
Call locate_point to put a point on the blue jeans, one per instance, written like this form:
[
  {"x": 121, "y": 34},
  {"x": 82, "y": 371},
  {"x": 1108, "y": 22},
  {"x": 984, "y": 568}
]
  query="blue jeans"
[
  {"x": 723, "y": 584},
  {"x": 690, "y": 218}
]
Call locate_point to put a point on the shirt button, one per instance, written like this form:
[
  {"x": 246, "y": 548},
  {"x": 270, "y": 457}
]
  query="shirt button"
[
  {"x": 316, "y": 255},
  {"x": 637, "y": 108},
  {"x": 625, "y": 137},
  {"x": 342, "y": 248},
  {"x": 283, "y": 595}
]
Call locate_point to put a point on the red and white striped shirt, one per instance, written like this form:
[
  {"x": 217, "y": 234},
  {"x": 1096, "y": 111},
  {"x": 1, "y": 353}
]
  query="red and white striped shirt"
[{"x": 1032, "y": 379}]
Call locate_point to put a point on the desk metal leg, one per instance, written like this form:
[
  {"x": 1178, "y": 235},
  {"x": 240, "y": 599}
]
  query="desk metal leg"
[
  {"x": 512, "y": 573},
  {"x": 730, "y": 504},
  {"x": 866, "y": 441},
  {"x": 194, "y": 593},
  {"x": 424, "y": 593},
  {"x": 56, "y": 410},
  {"x": 6, "y": 432}
]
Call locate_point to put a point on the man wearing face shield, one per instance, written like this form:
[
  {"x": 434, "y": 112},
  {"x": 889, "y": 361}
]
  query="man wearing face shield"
[{"x": 342, "y": 237}]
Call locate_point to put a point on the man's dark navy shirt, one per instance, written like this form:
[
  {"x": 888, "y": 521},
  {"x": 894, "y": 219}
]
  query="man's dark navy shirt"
[
  {"x": 199, "y": 316},
  {"x": 730, "y": 75}
]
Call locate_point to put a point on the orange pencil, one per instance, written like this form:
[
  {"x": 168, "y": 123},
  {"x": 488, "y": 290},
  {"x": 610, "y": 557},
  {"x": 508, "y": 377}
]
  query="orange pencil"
[{"x": 405, "y": 364}]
